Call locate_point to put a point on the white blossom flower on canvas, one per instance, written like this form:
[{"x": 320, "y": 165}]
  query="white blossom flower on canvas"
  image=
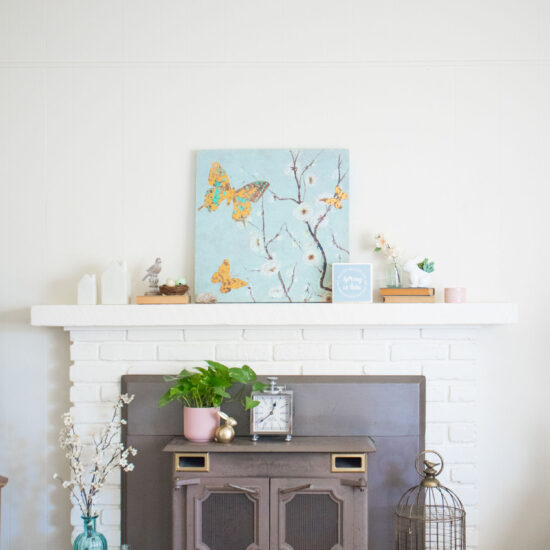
[
  {"x": 303, "y": 212},
  {"x": 270, "y": 268}
]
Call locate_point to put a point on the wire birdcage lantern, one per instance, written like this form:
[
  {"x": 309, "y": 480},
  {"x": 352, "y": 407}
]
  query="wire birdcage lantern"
[{"x": 430, "y": 516}]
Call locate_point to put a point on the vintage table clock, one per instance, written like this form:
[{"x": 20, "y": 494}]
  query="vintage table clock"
[{"x": 273, "y": 416}]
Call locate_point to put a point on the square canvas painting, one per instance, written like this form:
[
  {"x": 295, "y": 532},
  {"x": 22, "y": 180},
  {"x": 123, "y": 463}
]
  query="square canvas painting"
[{"x": 270, "y": 223}]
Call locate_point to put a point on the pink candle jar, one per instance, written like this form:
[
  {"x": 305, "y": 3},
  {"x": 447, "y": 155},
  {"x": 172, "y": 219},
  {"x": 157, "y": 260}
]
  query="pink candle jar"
[{"x": 455, "y": 295}]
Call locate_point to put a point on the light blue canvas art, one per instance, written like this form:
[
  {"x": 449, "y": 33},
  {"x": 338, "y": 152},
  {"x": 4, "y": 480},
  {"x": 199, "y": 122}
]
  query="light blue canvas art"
[{"x": 270, "y": 223}]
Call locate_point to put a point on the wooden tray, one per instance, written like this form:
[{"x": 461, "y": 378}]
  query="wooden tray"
[{"x": 175, "y": 299}]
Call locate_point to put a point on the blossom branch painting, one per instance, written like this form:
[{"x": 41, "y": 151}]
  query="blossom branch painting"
[{"x": 270, "y": 223}]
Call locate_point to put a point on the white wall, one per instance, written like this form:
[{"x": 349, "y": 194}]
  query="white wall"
[{"x": 443, "y": 105}]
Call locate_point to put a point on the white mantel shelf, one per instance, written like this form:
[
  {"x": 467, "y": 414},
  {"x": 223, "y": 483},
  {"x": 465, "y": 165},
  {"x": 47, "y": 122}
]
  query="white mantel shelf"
[{"x": 473, "y": 314}]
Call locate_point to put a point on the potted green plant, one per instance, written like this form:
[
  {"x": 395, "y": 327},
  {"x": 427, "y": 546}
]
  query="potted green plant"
[{"x": 203, "y": 390}]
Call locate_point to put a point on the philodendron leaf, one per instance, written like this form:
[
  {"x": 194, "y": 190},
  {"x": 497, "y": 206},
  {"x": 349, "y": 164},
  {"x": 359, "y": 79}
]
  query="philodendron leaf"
[
  {"x": 249, "y": 373},
  {"x": 238, "y": 375},
  {"x": 377, "y": 249},
  {"x": 250, "y": 403},
  {"x": 218, "y": 366},
  {"x": 218, "y": 390},
  {"x": 258, "y": 386},
  {"x": 165, "y": 399}
]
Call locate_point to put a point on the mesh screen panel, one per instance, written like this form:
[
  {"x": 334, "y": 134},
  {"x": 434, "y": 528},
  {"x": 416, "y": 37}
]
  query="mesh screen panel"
[
  {"x": 227, "y": 521},
  {"x": 312, "y": 522}
]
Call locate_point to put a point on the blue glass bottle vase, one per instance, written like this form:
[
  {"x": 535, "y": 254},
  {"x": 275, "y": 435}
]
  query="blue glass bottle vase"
[{"x": 90, "y": 539}]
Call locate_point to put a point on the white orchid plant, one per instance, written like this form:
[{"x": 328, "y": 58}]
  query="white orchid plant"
[
  {"x": 392, "y": 253},
  {"x": 382, "y": 245},
  {"x": 108, "y": 454}
]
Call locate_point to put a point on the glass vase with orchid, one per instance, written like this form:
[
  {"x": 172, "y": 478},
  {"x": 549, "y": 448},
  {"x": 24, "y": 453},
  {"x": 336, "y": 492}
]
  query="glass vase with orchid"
[{"x": 392, "y": 253}]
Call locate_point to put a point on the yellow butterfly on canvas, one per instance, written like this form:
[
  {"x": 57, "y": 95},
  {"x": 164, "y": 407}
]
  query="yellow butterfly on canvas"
[
  {"x": 228, "y": 283},
  {"x": 220, "y": 190},
  {"x": 336, "y": 201}
]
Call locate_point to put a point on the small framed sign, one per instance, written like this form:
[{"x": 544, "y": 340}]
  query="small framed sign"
[{"x": 352, "y": 283}]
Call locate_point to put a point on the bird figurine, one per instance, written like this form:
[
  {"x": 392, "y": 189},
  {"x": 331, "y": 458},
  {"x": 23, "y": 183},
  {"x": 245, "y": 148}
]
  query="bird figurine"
[
  {"x": 225, "y": 433},
  {"x": 153, "y": 275}
]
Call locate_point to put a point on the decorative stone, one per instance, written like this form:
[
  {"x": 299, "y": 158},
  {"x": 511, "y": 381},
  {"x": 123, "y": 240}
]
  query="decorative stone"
[
  {"x": 115, "y": 284},
  {"x": 87, "y": 290},
  {"x": 205, "y": 298}
]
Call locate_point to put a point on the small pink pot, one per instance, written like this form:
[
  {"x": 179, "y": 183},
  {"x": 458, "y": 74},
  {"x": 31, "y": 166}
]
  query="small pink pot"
[
  {"x": 455, "y": 295},
  {"x": 199, "y": 424}
]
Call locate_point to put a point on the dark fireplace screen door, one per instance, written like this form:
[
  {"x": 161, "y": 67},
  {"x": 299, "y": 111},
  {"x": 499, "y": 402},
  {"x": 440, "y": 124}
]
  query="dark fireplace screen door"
[
  {"x": 228, "y": 514},
  {"x": 312, "y": 514}
]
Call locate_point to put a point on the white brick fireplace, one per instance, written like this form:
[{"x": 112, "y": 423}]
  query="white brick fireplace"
[{"x": 434, "y": 340}]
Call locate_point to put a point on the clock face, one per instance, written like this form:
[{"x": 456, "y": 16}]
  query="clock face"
[{"x": 273, "y": 414}]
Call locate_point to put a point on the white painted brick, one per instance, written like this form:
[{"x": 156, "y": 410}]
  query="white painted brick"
[
  {"x": 450, "y": 412},
  {"x": 113, "y": 537},
  {"x": 436, "y": 434},
  {"x": 463, "y": 351},
  {"x": 88, "y": 335},
  {"x": 328, "y": 334},
  {"x": 84, "y": 351},
  {"x": 331, "y": 368},
  {"x": 85, "y": 413},
  {"x": 449, "y": 371},
  {"x": 450, "y": 434},
  {"x": 472, "y": 537},
  {"x": 472, "y": 515},
  {"x": 392, "y": 369},
  {"x": 391, "y": 333},
  {"x": 437, "y": 391},
  {"x": 155, "y": 335},
  {"x": 195, "y": 352},
  {"x": 292, "y": 352},
  {"x": 462, "y": 433},
  {"x": 358, "y": 352},
  {"x": 463, "y": 393},
  {"x": 278, "y": 368},
  {"x": 109, "y": 392},
  {"x": 159, "y": 368},
  {"x": 272, "y": 335},
  {"x": 418, "y": 351},
  {"x": 450, "y": 333},
  {"x": 114, "y": 478},
  {"x": 84, "y": 393},
  {"x": 86, "y": 431},
  {"x": 244, "y": 352},
  {"x": 212, "y": 334},
  {"x": 109, "y": 495},
  {"x": 466, "y": 493},
  {"x": 465, "y": 474},
  {"x": 97, "y": 372},
  {"x": 130, "y": 352},
  {"x": 110, "y": 516},
  {"x": 76, "y": 517},
  {"x": 458, "y": 454}
]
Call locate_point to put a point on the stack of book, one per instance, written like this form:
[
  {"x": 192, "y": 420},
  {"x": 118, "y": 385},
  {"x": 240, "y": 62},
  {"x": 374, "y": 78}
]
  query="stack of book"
[{"x": 408, "y": 295}]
